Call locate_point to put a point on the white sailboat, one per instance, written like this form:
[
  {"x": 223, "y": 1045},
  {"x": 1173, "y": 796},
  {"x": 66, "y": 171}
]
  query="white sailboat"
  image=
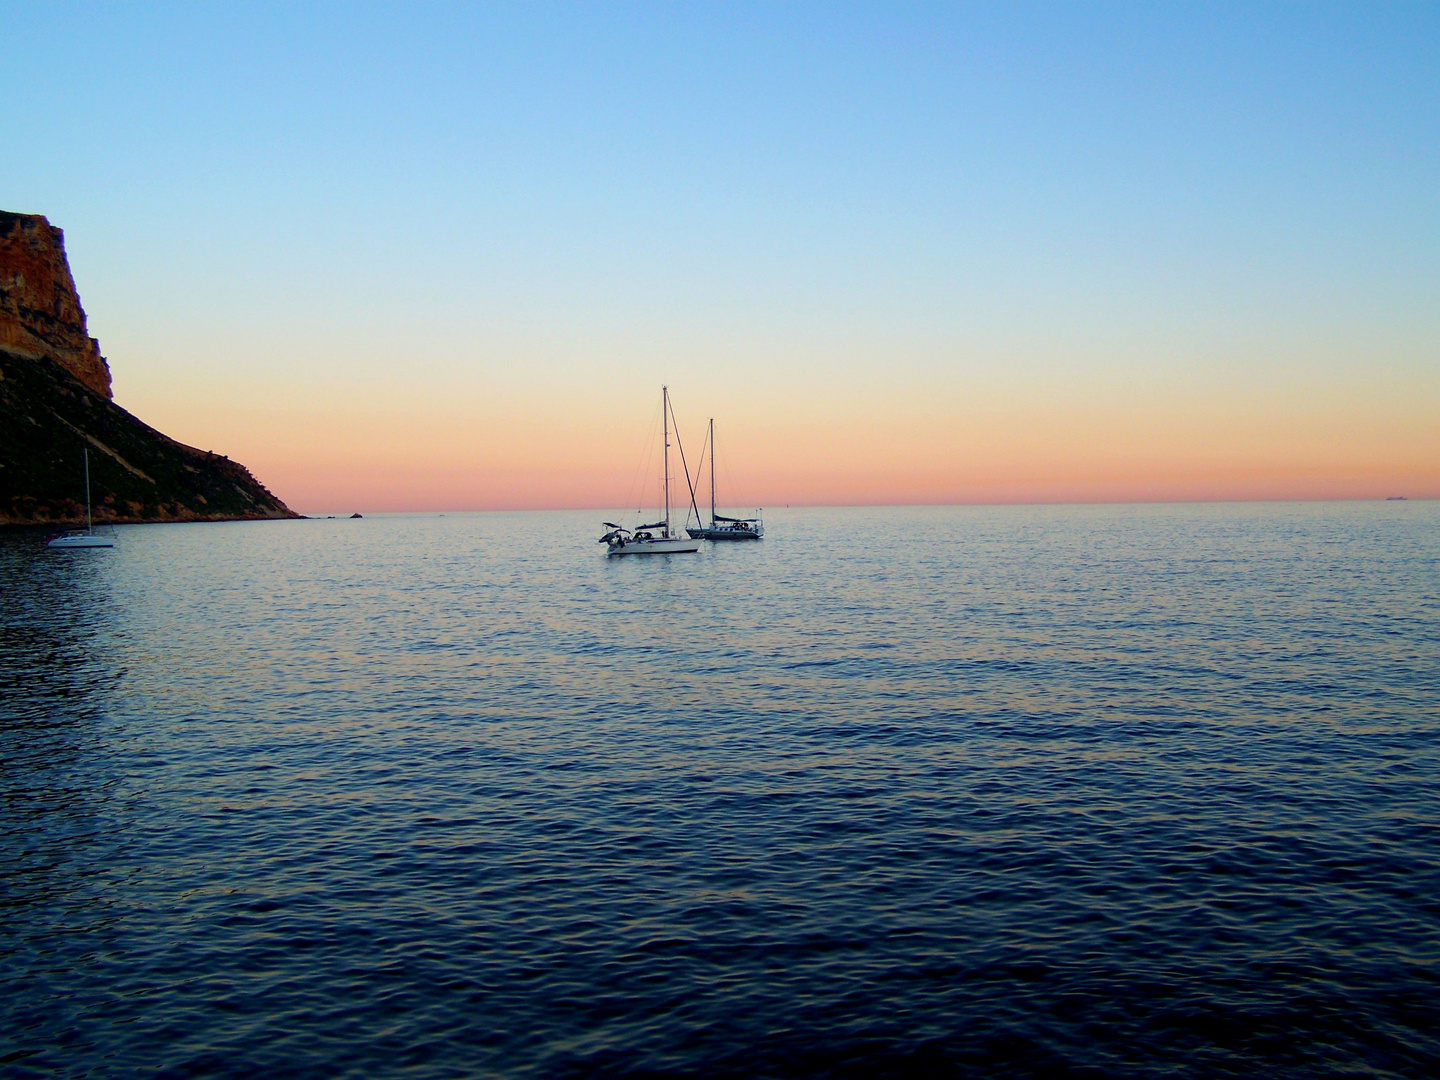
[
  {"x": 656, "y": 538},
  {"x": 88, "y": 538},
  {"x": 722, "y": 527}
]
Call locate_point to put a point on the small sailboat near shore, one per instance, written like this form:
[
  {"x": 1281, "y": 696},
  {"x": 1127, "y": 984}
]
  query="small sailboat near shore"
[
  {"x": 88, "y": 537},
  {"x": 655, "y": 538},
  {"x": 722, "y": 527}
]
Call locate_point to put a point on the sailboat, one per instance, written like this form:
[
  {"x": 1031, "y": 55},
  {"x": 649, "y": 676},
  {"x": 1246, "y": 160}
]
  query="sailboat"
[
  {"x": 89, "y": 538},
  {"x": 656, "y": 538},
  {"x": 722, "y": 527}
]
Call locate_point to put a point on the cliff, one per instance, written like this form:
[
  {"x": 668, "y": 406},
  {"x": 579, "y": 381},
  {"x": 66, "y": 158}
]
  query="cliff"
[
  {"x": 55, "y": 402},
  {"x": 40, "y": 312}
]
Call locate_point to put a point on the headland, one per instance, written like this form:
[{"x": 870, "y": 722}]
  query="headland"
[{"x": 56, "y": 401}]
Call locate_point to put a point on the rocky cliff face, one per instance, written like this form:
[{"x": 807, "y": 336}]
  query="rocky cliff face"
[
  {"x": 40, "y": 312},
  {"x": 55, "y": 407}
]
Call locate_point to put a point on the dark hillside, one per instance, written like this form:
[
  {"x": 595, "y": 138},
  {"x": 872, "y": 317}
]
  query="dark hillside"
[{"x": 47, "y": 417}]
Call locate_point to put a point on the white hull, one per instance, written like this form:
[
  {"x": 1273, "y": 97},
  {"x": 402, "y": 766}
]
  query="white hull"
[
  {"x": 81, "y": 540},
  {"x": 87, "y": 539},
  {"x": 655, "y": 538},
  {"x": 655, "y": 547}
]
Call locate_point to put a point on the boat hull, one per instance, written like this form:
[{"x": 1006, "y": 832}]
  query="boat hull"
[
  {"x": 84, "y": 540},
  {"x": 725, "y": 534},
  {"x": 674, "y": 546}
]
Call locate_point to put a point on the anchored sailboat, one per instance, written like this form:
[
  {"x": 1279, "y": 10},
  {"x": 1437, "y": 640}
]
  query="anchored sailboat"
[
  {"x": 722, "y": 527},
  {"x": 89, "y": 538},
  {"x": 656, "y": 538}
]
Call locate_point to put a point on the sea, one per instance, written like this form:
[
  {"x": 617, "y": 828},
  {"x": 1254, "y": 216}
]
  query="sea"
[{"x": 1025, "y": 791}]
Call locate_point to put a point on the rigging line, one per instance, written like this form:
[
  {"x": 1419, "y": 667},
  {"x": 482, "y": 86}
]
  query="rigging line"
[
  {"x": 686, "y": 467},
  {"x": 729, "y": 479},
  {"x": 646, "y": 449},
  {"x": 700, "y": 468}
]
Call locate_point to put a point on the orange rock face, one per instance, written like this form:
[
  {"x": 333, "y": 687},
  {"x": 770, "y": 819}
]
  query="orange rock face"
[{"x": 40, "y": 312}]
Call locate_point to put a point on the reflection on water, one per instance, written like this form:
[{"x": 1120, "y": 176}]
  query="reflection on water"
[
  {"x": 1033, "y": 791},
  {"x": 53, "y": 679}
]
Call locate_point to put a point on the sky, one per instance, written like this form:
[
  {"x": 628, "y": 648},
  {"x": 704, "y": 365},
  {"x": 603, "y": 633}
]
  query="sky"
[{"x": 442, "y": 257}]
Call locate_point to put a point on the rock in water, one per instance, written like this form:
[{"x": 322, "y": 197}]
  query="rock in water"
[{"x": 55, "y": 401}]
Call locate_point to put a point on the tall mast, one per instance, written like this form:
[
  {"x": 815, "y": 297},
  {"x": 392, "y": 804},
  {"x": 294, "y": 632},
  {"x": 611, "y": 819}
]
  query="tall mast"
[
  {"x": 712, "y": 472},
  {"x": 89, "y": 525},
  {"x": 665, "y": 420}
]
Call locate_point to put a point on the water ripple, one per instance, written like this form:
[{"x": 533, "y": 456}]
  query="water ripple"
[{"x": 1113, "y": 791}]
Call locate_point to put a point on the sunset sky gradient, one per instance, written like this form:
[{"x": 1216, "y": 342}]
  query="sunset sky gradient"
[{"x": 401, "y": 259}]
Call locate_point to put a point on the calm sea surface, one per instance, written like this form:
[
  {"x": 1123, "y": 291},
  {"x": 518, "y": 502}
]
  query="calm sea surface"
[{"x": 1147, "y": 791}]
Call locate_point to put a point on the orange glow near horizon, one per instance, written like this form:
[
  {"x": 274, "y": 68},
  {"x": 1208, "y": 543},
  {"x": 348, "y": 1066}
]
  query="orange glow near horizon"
[{"x": 526, "y": 450}]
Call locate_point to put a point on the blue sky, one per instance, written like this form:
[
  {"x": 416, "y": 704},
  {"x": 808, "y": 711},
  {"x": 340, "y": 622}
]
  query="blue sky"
[{"x": 926, "y": 217}]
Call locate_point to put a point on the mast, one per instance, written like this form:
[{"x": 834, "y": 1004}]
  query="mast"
[
  {"x": 665, "y": 421},
  {"x": 89, "y": 525},
  {"x": 712, "y": 472}
]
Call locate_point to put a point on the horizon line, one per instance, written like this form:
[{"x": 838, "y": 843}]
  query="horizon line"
[{"x": 894, "y": 505}]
